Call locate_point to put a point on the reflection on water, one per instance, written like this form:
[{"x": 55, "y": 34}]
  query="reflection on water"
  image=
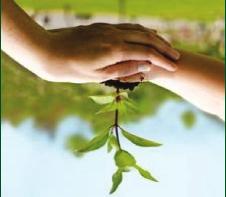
[{"x": 190, "y": 162}]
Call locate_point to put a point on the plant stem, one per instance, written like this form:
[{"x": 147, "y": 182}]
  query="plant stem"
[
  {"x": 117, "y": 91},
  {"x": 116, "y": 122}
]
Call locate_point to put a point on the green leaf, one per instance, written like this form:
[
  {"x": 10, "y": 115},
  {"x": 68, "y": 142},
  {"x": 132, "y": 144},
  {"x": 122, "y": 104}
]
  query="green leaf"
[
  {"x": 188, "y": 118},
  {"x": 124, "y": 159},
  {"x": 102, "y": 99},
  {"x": 116, "y": 179},
  {"x": 124, "y": 94},
  {"x": 139, "y": 140},
  {"x": 126, "y": 169},
  {"x": 130, "y": 105},
  {"x": 75, "y": 141},
  {"x": 112, "y": 143},
  {"x": 122, "y": 108},
  {"x": 108, "y": 108},
  {"x": 109, "y": 146},
  {"x": 145, "y": 173},
  {"x": 95, "y": 143}
]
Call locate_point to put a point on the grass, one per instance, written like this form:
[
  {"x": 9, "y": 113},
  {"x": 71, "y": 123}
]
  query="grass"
[{"x": 206, "y": 10}]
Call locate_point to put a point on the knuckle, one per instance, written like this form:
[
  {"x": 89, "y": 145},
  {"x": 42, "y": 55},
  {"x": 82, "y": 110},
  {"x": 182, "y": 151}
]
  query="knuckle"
[
  {"x": 138, "y": 26},
  {"x": 107, "y": 47},
  {"x": 118, "y": 46},
  {"x": 152, "y": 51},
  {"x": 121, "y": 51},
  {"x": 98, "y": 25},
  {"x": 147, "y": 50},
  {"x": 151, "y": 36},
  {"x": 146, "y": 35}
]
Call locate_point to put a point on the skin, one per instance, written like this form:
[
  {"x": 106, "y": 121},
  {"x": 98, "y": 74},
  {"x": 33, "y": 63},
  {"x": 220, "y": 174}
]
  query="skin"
[
  {"x": 81, "y": 54},
  {"x": 199, "y": 79},
  {"x": 99, "y": 52}
]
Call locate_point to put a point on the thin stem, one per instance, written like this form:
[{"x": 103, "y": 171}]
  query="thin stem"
[
  {"x": 117, "y": 91},
  {"x": 116, "y": 128},
  {"x": 116, "y": 122}
]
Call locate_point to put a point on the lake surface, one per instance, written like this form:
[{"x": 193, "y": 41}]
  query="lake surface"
[{"x": 189, "y": 164}]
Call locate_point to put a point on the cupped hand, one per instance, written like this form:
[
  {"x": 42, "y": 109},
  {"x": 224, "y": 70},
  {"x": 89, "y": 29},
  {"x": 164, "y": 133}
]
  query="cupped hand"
[
  {"x": 100, "y": 51},
  {"x": 143, "y": 76}
]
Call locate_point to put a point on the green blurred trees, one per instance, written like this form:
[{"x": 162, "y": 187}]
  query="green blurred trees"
[{"x": 24, "y": 96}]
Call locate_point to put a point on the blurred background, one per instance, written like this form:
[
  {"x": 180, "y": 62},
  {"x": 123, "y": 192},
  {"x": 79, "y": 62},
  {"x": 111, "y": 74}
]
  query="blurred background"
[{"x": 43, "y": 122}]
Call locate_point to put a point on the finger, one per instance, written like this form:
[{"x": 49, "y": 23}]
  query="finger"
[
  {"x": 163, "y": 40},
  {"x": 60, "y": 29},
  {"x": 75, "y": 76},
  {"x": 140, "y": 52},
  {"x": 130, "y": 26},
  {"x": 124, "y": 69},
  {"x": 139, "y": 77},
  {"x": 151, "y": 40},
  {"x": 150, "y": 29}
]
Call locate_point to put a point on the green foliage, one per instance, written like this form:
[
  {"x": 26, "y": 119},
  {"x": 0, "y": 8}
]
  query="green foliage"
[
  {"x": 188, "y": 118},
  {"x": 112, "y": 143},
  {"x": 122, "y": 108},
  {"x": 138, "y": 140},
  {"x": 26, "y": 96},
  {"x": 123, "y": 104},
  {"x": 190, "y": 9},
  {"x": 145, "y": 173},
  {"x": 116, "y": 179},
  {"x": 124, "y": 95},
  {"x": 95, "y": 143},
  {"x": 130, "y": 105},
  {"x": 124, "y": 159},
  {"x": 103, "y": 99},
  {"x": 108, "y": 108},
  {"x": 75, "y": 141}
]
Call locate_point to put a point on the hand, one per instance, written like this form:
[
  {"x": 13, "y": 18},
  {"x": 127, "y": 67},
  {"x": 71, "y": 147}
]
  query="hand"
[
  {"x": 151, "y": 75},
  {"x": 199, "y": 79},
  {"x": 92, "y": 53},
  {"x": 82, "y": 54}
]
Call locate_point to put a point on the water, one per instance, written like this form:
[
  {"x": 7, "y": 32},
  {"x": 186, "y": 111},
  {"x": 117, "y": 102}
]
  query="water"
[{"x": 190, "y": 162}]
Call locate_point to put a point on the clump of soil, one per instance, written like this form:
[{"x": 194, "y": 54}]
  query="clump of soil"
[{"x": 121, "y": 85}]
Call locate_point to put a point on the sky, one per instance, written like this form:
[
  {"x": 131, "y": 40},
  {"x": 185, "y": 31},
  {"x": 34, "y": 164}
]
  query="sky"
[{"x": 190, "y": 162}]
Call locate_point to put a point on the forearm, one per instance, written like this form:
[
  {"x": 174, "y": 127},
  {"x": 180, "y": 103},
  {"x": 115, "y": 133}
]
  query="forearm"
[
  {"x": 22, "y": 38},
  {"x": 199, "y": 79}
]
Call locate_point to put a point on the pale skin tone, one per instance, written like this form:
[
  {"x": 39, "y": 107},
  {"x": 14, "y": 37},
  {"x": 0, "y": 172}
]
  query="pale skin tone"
[
  {"x": 80, "y": 54},
  {"x": 199, "y": 79},
  {"x": 99, "y": 52}
]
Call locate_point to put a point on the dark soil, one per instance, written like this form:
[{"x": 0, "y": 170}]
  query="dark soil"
[{"x": 121, "y": 85}]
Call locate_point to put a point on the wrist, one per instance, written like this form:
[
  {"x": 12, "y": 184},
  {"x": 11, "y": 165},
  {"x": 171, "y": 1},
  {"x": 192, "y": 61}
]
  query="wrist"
[
  {"x": 54, "y": 62},
  {"x": 161, "y": 77},
  {"x": 61, "y": 49}
]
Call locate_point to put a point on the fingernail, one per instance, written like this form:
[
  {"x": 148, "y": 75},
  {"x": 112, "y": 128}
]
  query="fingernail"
[
  {"x": 175, "y": 54},
  {"x": 144, "y": 68},
  {"x": 173, "y": 67}
]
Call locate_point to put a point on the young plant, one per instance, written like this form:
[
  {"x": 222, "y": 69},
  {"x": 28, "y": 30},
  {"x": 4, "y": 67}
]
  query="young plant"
[{"x": 124, "y": 161}]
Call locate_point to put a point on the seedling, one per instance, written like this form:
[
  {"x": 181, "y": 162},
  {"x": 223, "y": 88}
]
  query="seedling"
[{"x": 124, "y": 161}]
